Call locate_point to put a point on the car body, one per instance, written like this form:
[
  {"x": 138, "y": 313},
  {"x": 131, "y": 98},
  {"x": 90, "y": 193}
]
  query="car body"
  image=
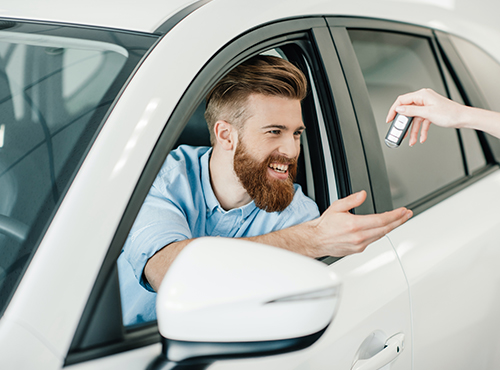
[{"x": 139, "y": 76}]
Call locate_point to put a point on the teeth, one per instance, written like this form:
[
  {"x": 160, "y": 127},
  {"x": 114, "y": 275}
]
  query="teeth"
[{"x": 279, "y": 167}]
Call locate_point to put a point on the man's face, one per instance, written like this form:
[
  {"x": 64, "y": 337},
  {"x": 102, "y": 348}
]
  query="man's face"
[{"x": 265, "y": 158}]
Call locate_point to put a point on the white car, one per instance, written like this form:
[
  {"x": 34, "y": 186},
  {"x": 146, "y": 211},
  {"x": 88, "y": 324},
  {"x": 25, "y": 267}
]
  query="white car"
[{"x": 94, "y": 95}]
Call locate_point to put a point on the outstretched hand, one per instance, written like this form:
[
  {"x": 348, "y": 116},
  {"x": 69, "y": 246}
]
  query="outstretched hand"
[{"x": 342, "y": 233}]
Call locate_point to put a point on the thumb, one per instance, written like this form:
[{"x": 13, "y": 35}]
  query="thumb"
[
  {"x": 349, "y": 202},
  {"x": 414, "y": 111}
]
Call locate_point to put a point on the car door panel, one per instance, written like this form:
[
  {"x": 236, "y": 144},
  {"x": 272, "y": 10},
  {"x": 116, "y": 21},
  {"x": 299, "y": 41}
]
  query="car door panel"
[
  {"x": 374, "y": 306},
  {"x": 449, "y": 254}
]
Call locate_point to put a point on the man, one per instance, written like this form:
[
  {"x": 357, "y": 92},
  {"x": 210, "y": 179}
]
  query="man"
[
  {"x": 241, "y": 187},
  {"x": 427, "y": 106}
]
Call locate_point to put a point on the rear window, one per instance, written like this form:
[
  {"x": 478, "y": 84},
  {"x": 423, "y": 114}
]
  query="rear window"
[
  {"x": 57, "y": 85},
  {"x": 394, "y": 64}
]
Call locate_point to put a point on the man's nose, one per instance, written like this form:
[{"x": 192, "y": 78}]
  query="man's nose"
[{"x": 290, "y": 147}]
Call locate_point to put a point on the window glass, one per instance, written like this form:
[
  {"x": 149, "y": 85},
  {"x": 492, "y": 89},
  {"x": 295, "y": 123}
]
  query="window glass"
[
  {"x": 394, "y": 64},
  {"x": 54, "y": 92},
  {"x": 483, "y": 68}
]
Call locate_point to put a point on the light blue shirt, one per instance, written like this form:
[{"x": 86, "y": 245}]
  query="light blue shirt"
[{"x": 182, "y": 205}]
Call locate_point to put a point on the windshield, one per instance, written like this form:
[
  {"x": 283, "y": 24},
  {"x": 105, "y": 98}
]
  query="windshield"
[{"x": 57, "y": 84}]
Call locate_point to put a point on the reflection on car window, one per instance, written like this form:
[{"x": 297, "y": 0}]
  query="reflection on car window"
[
  {"x": 394, "y": 64},
  {"x": 483, "y": 68},
  {"x": 54, "y": 92},
  {"x": 474, "y": 154}
]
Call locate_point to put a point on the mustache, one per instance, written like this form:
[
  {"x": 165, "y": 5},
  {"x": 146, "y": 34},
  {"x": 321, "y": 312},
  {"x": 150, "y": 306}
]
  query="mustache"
[{"x": 281, "y": 159}]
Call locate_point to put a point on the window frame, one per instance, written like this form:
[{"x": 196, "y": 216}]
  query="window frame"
[
  {"x": 103, "y": 301},
  {"x": 366, "y": 122}
]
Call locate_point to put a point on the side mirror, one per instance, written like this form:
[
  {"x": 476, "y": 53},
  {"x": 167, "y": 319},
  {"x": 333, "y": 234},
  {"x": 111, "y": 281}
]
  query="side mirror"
[{"x": 230, "y": 298}]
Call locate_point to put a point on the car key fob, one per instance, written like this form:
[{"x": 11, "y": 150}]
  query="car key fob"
[{"x": 397, "y": 131}]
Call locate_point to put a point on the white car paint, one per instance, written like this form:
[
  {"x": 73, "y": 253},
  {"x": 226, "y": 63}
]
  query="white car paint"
[
  {"x": 38, "y": 326},
  {"x": 450, "y": 256}
]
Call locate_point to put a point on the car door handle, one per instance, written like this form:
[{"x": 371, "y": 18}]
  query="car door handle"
[{"x": 392, "y": 348}]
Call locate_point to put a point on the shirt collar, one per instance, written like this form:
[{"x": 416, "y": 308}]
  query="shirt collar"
[{"x": 210, "y": 198}]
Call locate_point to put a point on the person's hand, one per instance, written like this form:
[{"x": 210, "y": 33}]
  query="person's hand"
[
  {"x": 343, "y": 233},
  {"x": 426, "y": 106}
]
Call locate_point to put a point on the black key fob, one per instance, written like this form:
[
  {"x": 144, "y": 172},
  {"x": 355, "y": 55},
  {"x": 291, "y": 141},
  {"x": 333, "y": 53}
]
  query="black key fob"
[{"x": 397, "y": 131}]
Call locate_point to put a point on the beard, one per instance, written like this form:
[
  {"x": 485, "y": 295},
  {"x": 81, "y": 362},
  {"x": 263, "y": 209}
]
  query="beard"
[{"x": 270, "y": 195}]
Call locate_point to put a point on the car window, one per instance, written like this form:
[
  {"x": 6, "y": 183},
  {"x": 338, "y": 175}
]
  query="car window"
[
  {"x": 195, "y": 135},
  {"x": 394, "y": 64},
  {"x": 483, "y": 68},
  {"x": 474, "y": 154},
  {"x": 54, "y": 91}
]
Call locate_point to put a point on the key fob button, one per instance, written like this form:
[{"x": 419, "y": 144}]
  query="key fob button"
[
  {"x": 396, "y": 132},
  {"x": 392, "y": 138},
  {"x": 401, "y": 122}
]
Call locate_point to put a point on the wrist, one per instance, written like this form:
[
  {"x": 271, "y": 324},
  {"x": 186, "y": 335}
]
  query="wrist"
[
  {"x": 311, "y": 239},
  {"x": 464, "y": 116}
]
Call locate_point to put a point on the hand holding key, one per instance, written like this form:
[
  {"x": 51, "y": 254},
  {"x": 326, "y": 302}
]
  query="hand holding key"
[{"x": 426, "y": 107}]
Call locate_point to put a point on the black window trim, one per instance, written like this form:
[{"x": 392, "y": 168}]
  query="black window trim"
[{"x": 254, "y": 41}]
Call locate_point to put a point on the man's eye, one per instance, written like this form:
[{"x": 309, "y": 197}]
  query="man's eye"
[{"x": 275, "y": 132}]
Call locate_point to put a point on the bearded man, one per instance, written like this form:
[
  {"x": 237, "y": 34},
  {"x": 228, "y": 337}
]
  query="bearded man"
[{"x": 241, "y": 187}]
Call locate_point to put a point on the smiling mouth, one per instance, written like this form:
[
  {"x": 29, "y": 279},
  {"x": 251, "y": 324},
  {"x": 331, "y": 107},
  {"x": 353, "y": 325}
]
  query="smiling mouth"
[{"x": 280, "y": 168}]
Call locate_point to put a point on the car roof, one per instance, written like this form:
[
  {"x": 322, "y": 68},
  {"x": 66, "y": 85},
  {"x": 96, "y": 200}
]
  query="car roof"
[
  {"x": 125, "y": 14},
  {"x": 476, "y": 21}
]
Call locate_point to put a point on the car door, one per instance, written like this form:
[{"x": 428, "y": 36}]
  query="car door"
[
  {"x": 449, "y": 248},
  {"x": 375, "y": 303}
]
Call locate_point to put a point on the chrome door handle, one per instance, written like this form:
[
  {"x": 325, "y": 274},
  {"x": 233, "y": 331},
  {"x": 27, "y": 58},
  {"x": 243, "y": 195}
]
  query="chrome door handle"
[{"x": 392, "y": 348}]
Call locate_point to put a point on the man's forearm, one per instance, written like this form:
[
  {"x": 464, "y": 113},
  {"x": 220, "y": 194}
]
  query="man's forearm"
[
  {"x": 336, "y": 232},
  {"x": 299, "y": 239},
  {"x": 158, "y": 265}
]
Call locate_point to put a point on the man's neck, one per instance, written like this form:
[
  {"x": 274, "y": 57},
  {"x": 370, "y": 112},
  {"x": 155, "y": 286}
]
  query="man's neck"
[{"x": 225, "y": 184}]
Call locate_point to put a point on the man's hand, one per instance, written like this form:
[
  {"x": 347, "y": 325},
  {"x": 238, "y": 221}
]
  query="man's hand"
[
  {"x": 337, "y": 232},
  {"x": 341, "y": 233}
]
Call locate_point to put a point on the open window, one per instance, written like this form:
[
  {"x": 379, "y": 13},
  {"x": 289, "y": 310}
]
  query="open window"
[{"x": 101, "y": 331}]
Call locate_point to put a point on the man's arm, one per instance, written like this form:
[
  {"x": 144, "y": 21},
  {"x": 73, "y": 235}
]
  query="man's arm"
[
  {"x": 337, "y": 232},
  {"x": 428, "y": 107}
]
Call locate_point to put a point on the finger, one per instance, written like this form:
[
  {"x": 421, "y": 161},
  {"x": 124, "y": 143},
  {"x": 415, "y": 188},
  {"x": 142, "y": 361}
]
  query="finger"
[
  {"x": 414, "y": 111},
  {"x": 415, "y": 127},
  {"x": 425, "y": 129},
  {"x": 392, "y": 113},
  {"x": 404, "y": 101},
  {"x": 368, "y": 236},
  {"x": 396, "y": 106},
  {"x": 349, "y": 202},
  {"x": 374, "y": 221}
]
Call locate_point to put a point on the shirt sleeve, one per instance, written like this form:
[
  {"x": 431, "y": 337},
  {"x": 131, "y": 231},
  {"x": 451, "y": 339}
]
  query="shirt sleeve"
[{"x": 160, "y": 222}]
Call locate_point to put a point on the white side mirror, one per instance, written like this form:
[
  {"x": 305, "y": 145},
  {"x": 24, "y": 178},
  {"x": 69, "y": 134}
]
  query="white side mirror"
[{"x": 233, "y": 291}]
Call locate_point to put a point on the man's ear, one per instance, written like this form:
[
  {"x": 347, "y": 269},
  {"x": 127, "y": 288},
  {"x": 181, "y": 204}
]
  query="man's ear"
[{"x": 225, "y": 135}]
